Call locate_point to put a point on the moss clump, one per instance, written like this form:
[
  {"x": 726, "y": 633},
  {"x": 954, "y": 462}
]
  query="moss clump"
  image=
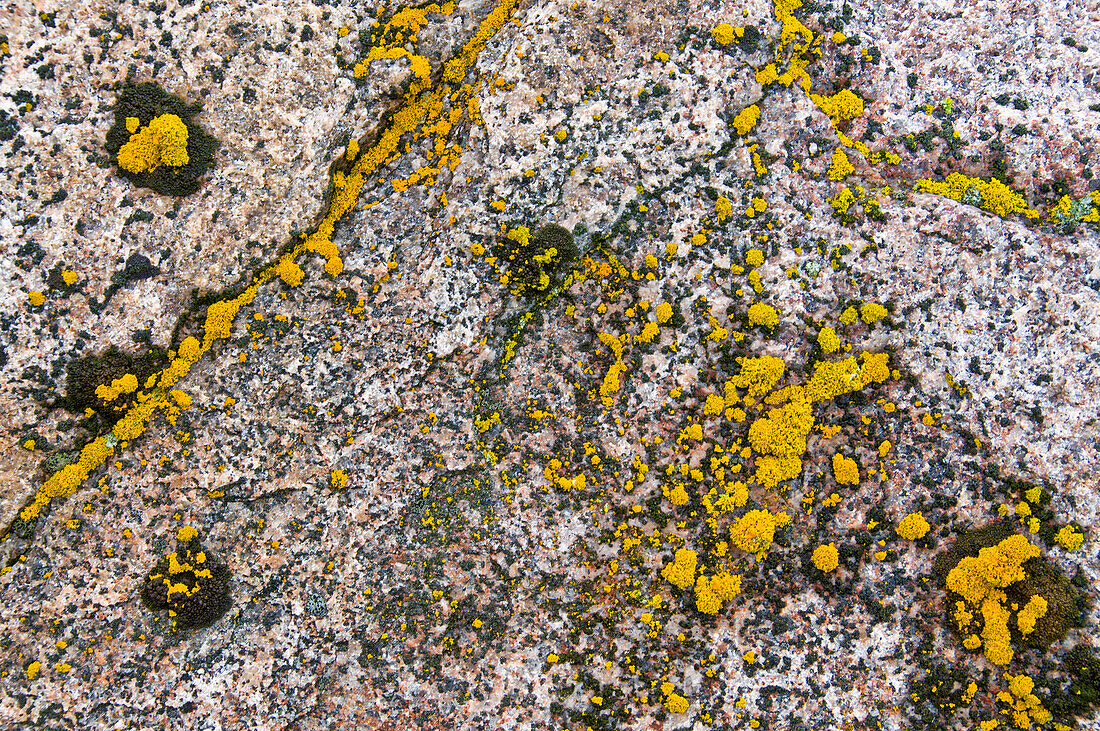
[
  {"x": 86, "y": 374},
  {"x": 190, "y": 584},
  {"x": 537, "y": 263},
  {"x": 145, "y": 103}
]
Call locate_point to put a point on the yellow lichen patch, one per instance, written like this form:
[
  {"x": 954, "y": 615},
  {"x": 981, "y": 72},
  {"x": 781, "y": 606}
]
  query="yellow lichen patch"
[
  {"x": 989, "y": 195},
  {"x": 162, "y": 142},
  {"x": 1069, "y": 539},
  {"x": 842, "y": 201},
  {"x": 33, "y": 670},
  {"x": 612, "y": 381},
  {"x": 663, "y": 312},
  {"x": 1033, "y": 611},
  {"x": 126, "y": 384},
  {"x": 841, "y": 167},
  {"x": 681, "y": 572},
  {"x": 36, "y": 299},
  {"x": 828, "y": 341},
  {"x": 754, "y": 257},
  {"x": 871, "y": 312},
  {"x": 746, "y": 119},
  {"x": 706, "y": 600},
  {"x": 753, "y": 532},
  {"x": 842, "y": 106},
  {"x": 763, "y": 315},
  {"x": 186, "y": 534},
  {"x": 338, "y": 479},
  {"x": 980, "y": 582},
  {"x": 723, "y": 34},
  {"x": 845, "y": 470},
  {"x": 826, "y": 558},
  {"x": 913, "y": 527},
  {"x": 1023, "y": 705},
  {"x": 69, "y": 277},
  {"x": 723, "y": 209}
]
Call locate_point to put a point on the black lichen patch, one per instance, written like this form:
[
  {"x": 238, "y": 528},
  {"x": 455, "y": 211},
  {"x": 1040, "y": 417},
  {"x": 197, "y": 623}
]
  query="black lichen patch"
[
  {"x": 1082, "y": 667},
  {"x": 137, "y": 268},
  {"x": 191, "y": 585},
  {"x": 539, "y": 263},
  {"x": 147, "y": 101},
  {"x": 84, "y": 375}
]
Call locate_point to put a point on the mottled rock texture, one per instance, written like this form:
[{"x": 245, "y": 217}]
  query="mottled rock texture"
[{"x": 467, "y": 576}]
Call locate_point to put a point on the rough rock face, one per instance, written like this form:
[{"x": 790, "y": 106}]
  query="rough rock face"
[{"x": 861, "y": 229}]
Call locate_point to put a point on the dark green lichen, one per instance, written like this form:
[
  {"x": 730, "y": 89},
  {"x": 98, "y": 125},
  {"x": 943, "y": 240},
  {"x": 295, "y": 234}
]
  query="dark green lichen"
[
  {"x": 196, "y": 595},
  {"x": 542, "y": 262},
  {"x": 85, "y": 374},
  {"x": 147, "y": 101}
]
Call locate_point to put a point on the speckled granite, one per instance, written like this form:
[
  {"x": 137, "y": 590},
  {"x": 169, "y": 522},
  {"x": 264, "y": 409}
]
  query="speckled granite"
[{"x": 431, "y": 591}]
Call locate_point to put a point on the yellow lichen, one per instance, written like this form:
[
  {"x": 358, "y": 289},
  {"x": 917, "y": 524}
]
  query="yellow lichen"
[
  {"x": 913, "y": 527},
  {"x": 338, "y": 479},
  {"x": 989, "y": 195},
  {"x": 826, "y": 557},
  {"x": 828, "y": 341},
  {"x": 871, "y": 312},
  {"x": 842, "y": 106},
  {"x": 754, "y": 531},
  {"x": 723, "y": 34},
  {"x": 746, "y": 119},
  {"x": 763, "y": 315},
  {"x": 841, "y": 167},
  {"x": 681, "y": 572},
  {"x": 162, "y": 142},
  {"x": 723, "y": 209},
  {"x": 1069, "y": 539},
  {"x": 845, "y": 470}
]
